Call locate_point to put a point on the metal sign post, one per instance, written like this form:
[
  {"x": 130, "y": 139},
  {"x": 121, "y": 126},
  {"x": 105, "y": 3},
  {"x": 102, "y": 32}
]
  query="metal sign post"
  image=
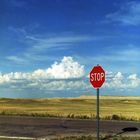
[
  {"x": 98, "y": 116},
  {"x": 97, "y": 78}
]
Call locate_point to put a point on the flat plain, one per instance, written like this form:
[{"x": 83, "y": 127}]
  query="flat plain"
[
  {"x": 68, "y": 118},
  {"x": 111, "y": 108}
]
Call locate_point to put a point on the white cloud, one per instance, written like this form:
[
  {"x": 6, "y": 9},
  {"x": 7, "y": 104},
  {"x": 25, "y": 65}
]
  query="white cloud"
[
  {"x": 40, "y": 73},
  {"x": 42, "y": 45},
  {"x": 67, "y": 68},
  {"x": 109, "y": 74},
  {"x": 119, "y": 80},
  {"x": 68, "y": 75},
  {"x": 55, "y": 42},
  {"x": 64, "y": 85},
  {"x": 129, "y": 14},
  {"x": 134, "y": 80},
  {"x": 63, "y": 75},
  {"x": 118, "y": 77},
  {"x": 115, "y": 81}
]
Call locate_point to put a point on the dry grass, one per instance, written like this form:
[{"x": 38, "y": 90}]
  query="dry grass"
[
  {"x": 118, "y": 109},
  {"x": 94, "y": 138}
]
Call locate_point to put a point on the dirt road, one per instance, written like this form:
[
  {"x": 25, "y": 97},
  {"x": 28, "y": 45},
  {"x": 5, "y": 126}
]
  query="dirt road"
[{"x": 48, "y": 127}]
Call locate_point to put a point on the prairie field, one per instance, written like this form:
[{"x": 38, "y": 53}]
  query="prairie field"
[{"x": 111, "y": 108}]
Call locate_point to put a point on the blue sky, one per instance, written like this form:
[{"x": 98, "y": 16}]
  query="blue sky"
[{"x": 48, "y": 47}]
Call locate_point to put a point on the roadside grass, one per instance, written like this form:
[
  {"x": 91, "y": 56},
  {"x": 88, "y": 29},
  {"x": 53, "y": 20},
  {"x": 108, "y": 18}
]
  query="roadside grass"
[
  {"x": 16, "y": 139},
  {"x": 80, "y": 108},
  {"x": 94, "y": 138},
  {"x": 83, "y": 138}
]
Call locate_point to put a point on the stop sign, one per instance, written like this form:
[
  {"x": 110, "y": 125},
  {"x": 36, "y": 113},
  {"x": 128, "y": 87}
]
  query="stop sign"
[{"x": 97, "y": 76}]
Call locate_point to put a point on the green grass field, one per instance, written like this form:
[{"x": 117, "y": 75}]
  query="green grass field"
[{"x": 117, "y": 108}]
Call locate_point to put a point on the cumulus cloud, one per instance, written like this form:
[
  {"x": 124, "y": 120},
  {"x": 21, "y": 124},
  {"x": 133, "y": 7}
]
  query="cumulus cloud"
[
  {"x": 67, "y": 68},
  {"x": 115, "y": 81},
  {"x": 65, "y": 75},
  {"x": 120, "y": 80},
  {"x": 61, "y": 75},
  {"x": 134, "y": 80}
]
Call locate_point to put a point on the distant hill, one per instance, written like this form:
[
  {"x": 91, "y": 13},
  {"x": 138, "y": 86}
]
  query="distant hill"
[{"x": 110, "y": 97}]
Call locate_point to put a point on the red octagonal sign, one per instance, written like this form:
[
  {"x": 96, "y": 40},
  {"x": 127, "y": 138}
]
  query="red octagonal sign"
[{"x": 97, "y": 76}]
